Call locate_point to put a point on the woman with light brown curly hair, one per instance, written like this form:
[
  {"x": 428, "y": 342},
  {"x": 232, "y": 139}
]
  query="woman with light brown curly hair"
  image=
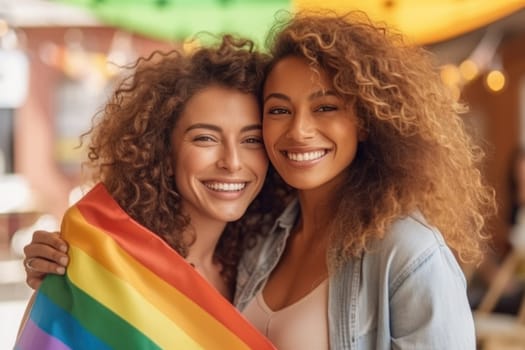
[{"x": 387, "y": 180}]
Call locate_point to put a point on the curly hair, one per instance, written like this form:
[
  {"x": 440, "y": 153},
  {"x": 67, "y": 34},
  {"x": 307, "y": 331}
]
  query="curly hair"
[
  {"x": 417, "y": 155},
  {"x": 130, "y": 142}
]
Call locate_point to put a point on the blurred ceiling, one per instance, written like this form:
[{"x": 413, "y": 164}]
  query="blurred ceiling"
[
  {"x": 451, "y": 28},
  {"x": 457, "y": 49},
  {"x": 423, "y": 21}
]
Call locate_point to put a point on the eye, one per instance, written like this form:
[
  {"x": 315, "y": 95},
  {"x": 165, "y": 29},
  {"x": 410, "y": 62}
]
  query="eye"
[
  {"x": 253, "y": 140},
  {"x": 277, "y": 111},
  {"x": 326, "y": 108},
  {"x": 204, "y": 139}
]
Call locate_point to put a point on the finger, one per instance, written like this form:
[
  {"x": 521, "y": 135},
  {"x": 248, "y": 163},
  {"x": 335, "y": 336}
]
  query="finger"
[
  {"x": 46, "y": 252},
  {"x": 33, "y": 283},
  {"x": 51, "y": 239},
  {"x": 38, "y": 267},
  {"x": 31, "y": 273}
]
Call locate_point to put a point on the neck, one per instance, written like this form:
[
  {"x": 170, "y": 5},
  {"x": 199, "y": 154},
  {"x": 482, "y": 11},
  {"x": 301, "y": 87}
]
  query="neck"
[
  {"x": 206, "y": 236},
  {"x": 317, "y": 208},
  {"x": 204, "y": 232}
]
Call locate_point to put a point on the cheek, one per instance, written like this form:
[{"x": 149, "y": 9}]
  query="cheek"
[
  {"x": 188, "y": 163},
  {"x": 347, "y": 132},
  {"x": 271, "y": 130},
  {"x": 258, "y": 162},
  {"x": 270, "y": 135}
]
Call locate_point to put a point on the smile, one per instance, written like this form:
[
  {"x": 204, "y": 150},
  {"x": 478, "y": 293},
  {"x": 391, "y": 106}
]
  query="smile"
[
  {"x": 305, "y": 156},
  {"x": 226, "y": 186}
]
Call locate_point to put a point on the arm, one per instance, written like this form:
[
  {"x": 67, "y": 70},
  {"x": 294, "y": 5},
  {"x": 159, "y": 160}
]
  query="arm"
[
  {"x": 430, "y": 308},
  {"x": 47, "y": 253}
]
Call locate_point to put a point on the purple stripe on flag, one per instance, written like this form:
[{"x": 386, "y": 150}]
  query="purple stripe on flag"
[{"x": 33, "y": 338}]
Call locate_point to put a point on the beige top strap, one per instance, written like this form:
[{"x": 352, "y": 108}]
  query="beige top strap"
[{"x": 301, "y": 325}]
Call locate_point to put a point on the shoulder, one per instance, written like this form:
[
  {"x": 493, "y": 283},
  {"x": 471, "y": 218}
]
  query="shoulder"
[
  {"x": 409, "y": 236},
  {"x": 411, "y": 244}
]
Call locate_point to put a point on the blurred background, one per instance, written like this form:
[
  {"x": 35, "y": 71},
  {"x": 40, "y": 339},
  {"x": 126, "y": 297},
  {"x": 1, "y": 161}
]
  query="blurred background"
[{"x": 59, "y": 60}]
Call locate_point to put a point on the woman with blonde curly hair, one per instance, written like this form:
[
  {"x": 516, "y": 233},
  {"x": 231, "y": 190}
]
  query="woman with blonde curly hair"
[
  {"x": 387, "y": 180},
  {"x": 387, "y": 186}
]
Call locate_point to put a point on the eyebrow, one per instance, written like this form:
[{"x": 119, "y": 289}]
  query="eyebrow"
[
  {"x": 219, "y": 129},
  {"x": 312, "y": 96}
]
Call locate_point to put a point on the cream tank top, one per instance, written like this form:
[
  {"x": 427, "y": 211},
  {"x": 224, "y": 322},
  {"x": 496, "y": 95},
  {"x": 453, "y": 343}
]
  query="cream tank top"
[{"x": 301, "y": 325}]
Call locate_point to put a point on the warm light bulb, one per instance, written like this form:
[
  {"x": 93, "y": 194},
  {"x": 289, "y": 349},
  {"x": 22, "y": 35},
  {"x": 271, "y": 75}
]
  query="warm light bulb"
[
  {"x": 469, "y": 69},
  {"x": 495, "y": 80},
  {"x": 450, "y": 75}
]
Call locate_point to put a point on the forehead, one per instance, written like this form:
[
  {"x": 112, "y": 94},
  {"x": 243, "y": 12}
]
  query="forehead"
[
  {"x": 220, "y": 106},
  {"x": 295, "y": 73}
]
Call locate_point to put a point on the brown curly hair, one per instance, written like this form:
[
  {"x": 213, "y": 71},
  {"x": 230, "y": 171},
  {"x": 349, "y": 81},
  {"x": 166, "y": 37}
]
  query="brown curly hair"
[
  {"x": 130, "y": 147},
  {"x": 417, "y": 154}
]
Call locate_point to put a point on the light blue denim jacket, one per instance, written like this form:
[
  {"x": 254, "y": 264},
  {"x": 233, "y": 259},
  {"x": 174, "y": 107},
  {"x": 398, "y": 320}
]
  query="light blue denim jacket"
[{"x": 408, "y": 292}]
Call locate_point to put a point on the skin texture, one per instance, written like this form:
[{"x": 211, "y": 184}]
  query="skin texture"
[
  {"x": 211, "y": 151},
  {"x": 310, "y": 132}
]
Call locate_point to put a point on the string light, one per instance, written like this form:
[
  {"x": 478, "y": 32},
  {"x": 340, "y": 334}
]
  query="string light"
[
  {"x": 450, "y": 75},
  {"x": 495, "y": 80},
  {"x": 469, "y": 69}
]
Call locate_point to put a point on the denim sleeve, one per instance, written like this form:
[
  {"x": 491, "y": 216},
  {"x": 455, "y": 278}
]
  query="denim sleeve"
[{"x": 429, "y": 308}]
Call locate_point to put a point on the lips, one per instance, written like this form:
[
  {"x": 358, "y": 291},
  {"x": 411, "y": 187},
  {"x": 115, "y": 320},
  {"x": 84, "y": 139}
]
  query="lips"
[
  {"x": 305, "y": 156},
  {"x": 225, "y": 186}
]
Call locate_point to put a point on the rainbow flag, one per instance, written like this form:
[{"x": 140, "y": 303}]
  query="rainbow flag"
[{"x": 125, "y": 288}]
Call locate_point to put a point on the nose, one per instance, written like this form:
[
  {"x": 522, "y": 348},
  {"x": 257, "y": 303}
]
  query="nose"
[
  {"x": 230, "y": 158},
  {"x": 302, "y": 126}
]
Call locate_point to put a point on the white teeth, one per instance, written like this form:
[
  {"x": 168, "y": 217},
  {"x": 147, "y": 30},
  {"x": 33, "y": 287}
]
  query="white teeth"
[
  {"x": 307, "y": 156},
  {"x": 225, "y": 186}
]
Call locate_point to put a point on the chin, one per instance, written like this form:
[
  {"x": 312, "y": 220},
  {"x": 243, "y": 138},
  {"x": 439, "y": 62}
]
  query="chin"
[{"x": 230, "y": 216}]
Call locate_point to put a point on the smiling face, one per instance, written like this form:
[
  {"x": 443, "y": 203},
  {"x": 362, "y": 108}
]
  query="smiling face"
[
  {"x": 218, "y": 157},
  {"x": 310, "y": 132}
]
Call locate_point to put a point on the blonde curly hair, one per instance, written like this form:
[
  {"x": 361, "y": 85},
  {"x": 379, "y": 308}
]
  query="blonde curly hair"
[
  {"x": 130, "y": 142},
  {"x": 417, "y": 155}
]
